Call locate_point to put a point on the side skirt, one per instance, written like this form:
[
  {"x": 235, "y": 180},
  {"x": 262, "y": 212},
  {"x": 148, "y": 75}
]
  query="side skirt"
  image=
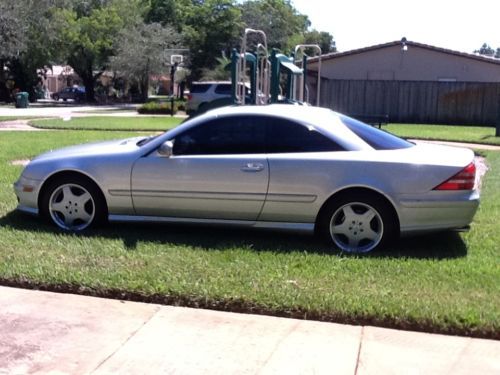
[{"x": 297, "y": 227}]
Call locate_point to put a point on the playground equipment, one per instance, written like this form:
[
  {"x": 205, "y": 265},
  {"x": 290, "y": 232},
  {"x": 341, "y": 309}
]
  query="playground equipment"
[
  {"x": 303, "y": 89},
  {"x": 265, "y": 73}
]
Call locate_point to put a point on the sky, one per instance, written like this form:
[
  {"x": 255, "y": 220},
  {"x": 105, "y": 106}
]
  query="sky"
[{"x": 461, "y": 25}]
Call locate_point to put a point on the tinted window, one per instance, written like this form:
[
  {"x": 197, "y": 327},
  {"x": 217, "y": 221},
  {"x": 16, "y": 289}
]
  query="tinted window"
[
  {"x": 378, "y": 139},
  {"x": 224, "y": 89},
  {"x": 287, "y": 136},
  {"x": 229, "y": 135},
  {"x": 199, "y": 87}
]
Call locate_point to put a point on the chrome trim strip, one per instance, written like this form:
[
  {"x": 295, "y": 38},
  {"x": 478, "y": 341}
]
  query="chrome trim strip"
[
  {"x": 292, "y": 198},
  {"x": 28, "y": 210},
  {"x": 305, "y": 227},
  {"x": 199, "y": 195},
  {"x": 119, "y": 193},
  {"x": 439, "y": 204}
]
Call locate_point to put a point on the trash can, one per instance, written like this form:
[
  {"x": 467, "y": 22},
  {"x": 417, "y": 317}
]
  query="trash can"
[{"x": 22, "y": 99}]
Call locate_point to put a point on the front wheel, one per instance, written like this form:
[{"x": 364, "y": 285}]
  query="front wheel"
[
  {"x": 358, "y": 223},
  {"x": 73, "y": 204}
]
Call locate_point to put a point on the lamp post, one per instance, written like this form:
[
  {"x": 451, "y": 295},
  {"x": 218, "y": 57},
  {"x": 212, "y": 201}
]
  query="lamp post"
[{"x": 173, "y": 69}]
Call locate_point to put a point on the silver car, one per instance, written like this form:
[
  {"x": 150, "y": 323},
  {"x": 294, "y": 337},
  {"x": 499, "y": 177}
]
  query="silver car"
[{"x": 276, "y": 166}]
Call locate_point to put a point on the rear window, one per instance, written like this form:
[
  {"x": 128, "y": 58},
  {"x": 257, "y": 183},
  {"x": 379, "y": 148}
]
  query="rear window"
[
  {"x": 376, "y": 138},
  {"x": 199, "y": 87}
]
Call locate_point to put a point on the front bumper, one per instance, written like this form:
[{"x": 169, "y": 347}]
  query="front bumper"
[{"x": 27, "y": 190}]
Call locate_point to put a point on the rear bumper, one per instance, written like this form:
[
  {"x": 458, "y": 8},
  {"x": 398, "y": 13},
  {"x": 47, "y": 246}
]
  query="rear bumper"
[{"x": 452, "y": 211}]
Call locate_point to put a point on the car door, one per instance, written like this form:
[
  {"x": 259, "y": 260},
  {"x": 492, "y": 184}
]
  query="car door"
[
  {"x": 218, "y": 170},
  {"x": 301, "y": 168}
]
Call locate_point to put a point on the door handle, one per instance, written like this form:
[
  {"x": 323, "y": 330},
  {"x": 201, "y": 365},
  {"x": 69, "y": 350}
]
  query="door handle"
[{"x": 253, "y": 167}]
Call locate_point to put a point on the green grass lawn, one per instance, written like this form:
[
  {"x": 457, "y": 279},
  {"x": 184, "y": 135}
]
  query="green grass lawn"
[
  {"x": 110, "y": 123},
  {"x": 473, "y": 134},
  {"x": 447, "y": 282}
]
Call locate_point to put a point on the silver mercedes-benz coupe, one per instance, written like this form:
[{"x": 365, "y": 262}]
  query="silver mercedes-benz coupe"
[{"x": 276, "y": 166}]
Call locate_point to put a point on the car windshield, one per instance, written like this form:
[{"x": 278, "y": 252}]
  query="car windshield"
[{"x": 376, "y": 138}]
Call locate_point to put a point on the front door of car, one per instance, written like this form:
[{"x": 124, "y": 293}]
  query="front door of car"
[{"x": 218, "y": 170}]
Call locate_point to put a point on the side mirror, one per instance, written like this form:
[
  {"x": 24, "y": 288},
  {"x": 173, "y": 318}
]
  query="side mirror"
[{"x": 166, "y": 150}]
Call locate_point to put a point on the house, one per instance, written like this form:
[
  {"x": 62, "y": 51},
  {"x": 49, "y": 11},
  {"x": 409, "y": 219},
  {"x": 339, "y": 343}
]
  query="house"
[
  {"x": 411, "y": 82},
  {"x": 57, "y": 77}
]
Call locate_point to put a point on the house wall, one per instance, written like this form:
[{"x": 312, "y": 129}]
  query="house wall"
[{"x": 414, "y": 64}]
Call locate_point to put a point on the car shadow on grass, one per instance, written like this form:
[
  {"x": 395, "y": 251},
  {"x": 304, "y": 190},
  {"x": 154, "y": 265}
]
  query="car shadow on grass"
[{"x": 444, "y": 245}]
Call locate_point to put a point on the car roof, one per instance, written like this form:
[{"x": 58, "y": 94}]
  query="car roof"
[
  {"x": 318, "y": 117},
  {"x": 291, "y": 111}
]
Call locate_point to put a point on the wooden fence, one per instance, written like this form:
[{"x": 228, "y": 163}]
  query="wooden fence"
[{"x": 414, "y": 101}]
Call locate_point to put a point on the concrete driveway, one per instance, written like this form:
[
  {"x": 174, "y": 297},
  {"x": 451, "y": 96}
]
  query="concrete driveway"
[{"x": 42, "y": 332}]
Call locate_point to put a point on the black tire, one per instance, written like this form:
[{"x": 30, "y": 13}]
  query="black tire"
[
  {"x": 56, "y": 98},
  {"x": 358, "y": 222},
  {"x": 73, "y": 203}
]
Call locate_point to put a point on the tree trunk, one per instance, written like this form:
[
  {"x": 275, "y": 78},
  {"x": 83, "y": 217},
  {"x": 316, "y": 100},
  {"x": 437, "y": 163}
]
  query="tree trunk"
[
  {"x": 145, "y": 89},
  {"x": 84, "y": 69},
  {"x": 89, "y": 82}
]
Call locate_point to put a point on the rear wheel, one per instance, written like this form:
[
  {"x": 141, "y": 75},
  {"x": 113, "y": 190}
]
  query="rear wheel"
[
  {"x": 73, "y": 203},
  {"x": 358, "y": 222}
]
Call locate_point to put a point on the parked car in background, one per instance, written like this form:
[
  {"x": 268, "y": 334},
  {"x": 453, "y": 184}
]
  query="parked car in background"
[
  {"x": 203, "y": 93},
  {"x": 276, "y": 166},
  {"x": 70, "y": 93}
]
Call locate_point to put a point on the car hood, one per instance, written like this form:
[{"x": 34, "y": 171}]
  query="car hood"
[{"x": 114, "y": 147}]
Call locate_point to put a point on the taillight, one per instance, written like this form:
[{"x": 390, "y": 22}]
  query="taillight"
[
  {"x": 463, "y": 180},
  {"x": 189, "y": 96}
]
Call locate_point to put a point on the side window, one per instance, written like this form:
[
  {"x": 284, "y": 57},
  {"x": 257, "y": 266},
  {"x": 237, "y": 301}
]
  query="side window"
[
  {"x": 223, "y": 89},
  {"x": 287, "y": 136},
  {"x": 223, "y": 136},
  {"x": 199, "y": 88}
]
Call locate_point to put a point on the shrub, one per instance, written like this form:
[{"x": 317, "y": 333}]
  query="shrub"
[{"x": 158, "y": 108}]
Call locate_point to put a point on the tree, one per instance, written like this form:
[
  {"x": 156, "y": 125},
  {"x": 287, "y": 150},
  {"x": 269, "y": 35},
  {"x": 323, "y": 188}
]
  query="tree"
[
  {"x": 91, "y": 28},
  {"x": 210, "y": 27},
  {"x": 12, "y": 29},
  {"x": 141, "y": 52},
  {"x": 164, "y": 12},
  {"x": 283, "y": 24},
  {"x": 485, "y": 50},
  {"x": 219, "y": 72},
  {"x": 29, "y": 40},
  {"x": 321, "y": 38}
]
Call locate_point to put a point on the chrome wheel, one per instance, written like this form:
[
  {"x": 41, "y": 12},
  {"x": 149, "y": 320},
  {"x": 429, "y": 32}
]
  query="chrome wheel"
[
  {"x": 356, "y": 227},
  {"x": 72, "y": 207}
]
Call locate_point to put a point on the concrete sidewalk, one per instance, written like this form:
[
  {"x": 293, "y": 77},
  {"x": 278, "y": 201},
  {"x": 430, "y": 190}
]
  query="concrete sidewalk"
[
  {"x": 42, "y": 332},
  {"x": 69, "y": 111}
]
